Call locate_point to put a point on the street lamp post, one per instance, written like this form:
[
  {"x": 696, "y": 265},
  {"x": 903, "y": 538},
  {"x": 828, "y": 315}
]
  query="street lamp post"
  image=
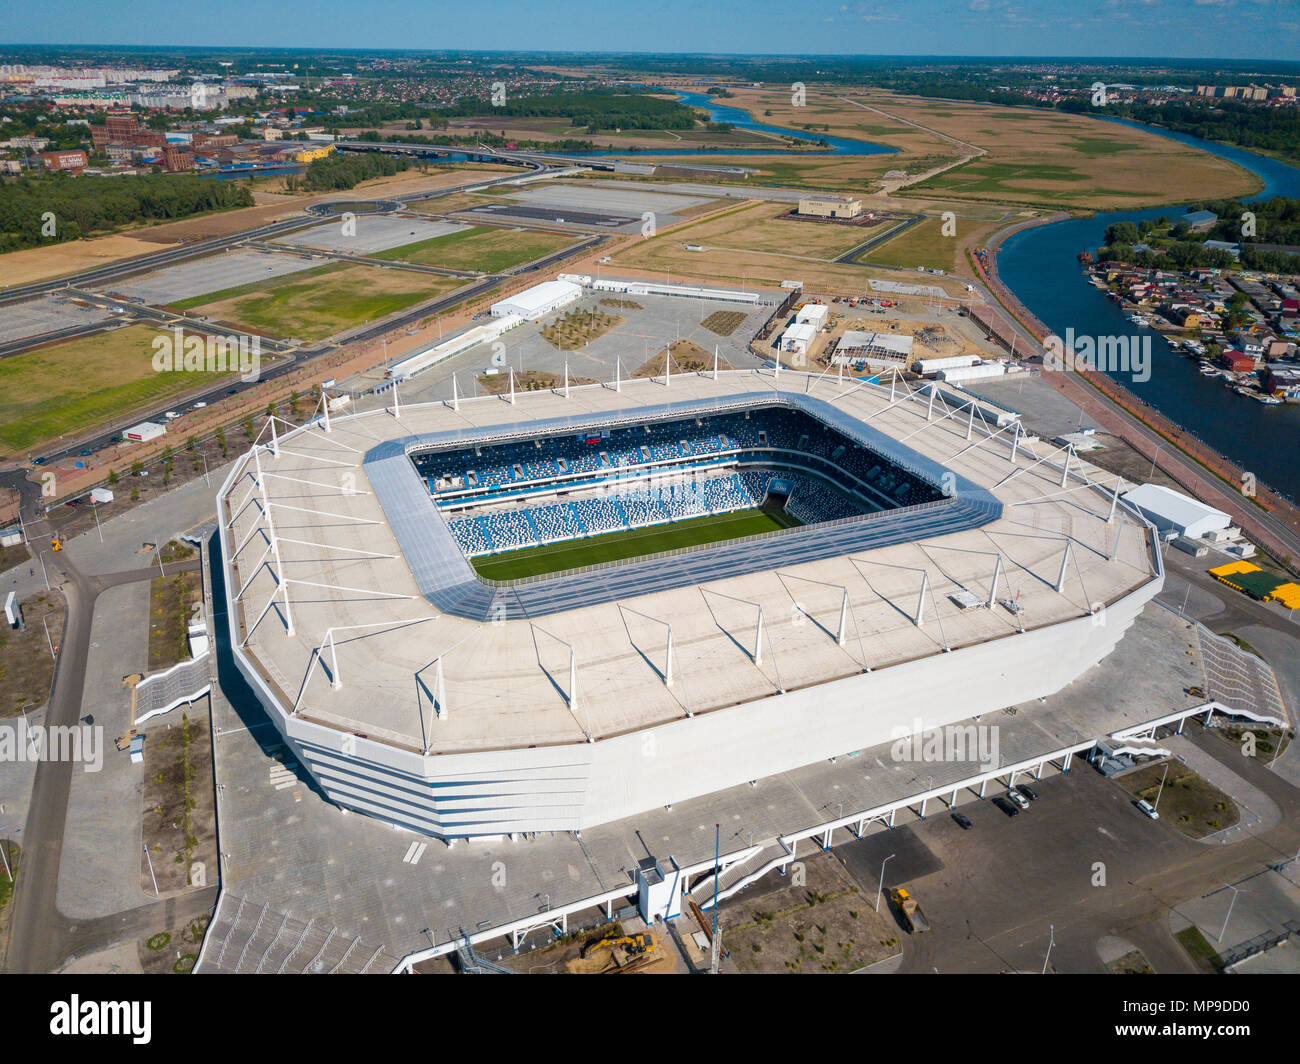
[
  {"x": 1156, "y": 805},
  {"x": 1051, "y": 930},
  {"x": 881, "y": 885},
  {"x": 1224, "y": 928}
]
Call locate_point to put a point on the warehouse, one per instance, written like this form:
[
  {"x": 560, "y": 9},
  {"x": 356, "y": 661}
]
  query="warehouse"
[
  {"x": 538, "y": 301},
  {"x": 1173, "y": 512}
]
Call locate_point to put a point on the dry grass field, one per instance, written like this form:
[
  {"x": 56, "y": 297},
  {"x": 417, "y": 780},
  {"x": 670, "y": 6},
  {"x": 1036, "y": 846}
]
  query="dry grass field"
[
  {"x": 761, "y": 228},
  {"x": 727, "y": 266},
  {"x": 70, "y": 387},
  {"x": 318, "y": 303},
  {"x": 1056, "y": 159}
]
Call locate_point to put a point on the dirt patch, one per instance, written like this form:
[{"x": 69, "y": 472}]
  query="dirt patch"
[
  {"x": 688, "y": 357},
  {"x": 179, "y": 806},
  {"x": 819, "y": 922},
  {"x": 1194, "y": 806},
  {"x": 174, "y": 950},
  {"x": 1132, "y": 963},
  {"x": 577, "y": 328},
  {"x": 171, "y": 611},
  {"x": 26, "y": 664},
  {"x": 529, "y": 380}
]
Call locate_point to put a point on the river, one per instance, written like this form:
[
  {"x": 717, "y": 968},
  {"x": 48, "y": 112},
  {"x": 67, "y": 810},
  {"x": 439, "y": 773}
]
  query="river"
[{"x": 1040, "y": 266}]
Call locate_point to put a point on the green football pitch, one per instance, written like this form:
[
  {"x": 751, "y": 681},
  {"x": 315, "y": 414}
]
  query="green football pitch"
[{"x": 616, "y": 546}]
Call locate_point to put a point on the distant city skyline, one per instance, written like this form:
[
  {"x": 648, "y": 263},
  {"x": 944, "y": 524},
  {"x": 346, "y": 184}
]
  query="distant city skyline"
[{"x": 1174, "y": 29}]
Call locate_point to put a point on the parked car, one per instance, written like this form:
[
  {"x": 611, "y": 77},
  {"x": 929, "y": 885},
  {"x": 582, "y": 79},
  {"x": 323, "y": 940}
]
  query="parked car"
[
  {"x": 1147, "y": 808},
  {"x": 963, "y": 821},
  {"x": 1006, "y": 807},
  {"x": 1027, "y": 791},
  {"x": 1017, "y": 799},
  {"x": 86, "y": 451}
]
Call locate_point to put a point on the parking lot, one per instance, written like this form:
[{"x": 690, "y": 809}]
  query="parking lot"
[
  {"x": 216, "y": 273},
  {"x": 368, "y": 233},
  {"x": 46, "y": 314}
]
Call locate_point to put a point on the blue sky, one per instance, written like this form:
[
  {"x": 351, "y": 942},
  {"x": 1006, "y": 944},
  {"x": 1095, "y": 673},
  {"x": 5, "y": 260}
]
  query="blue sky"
[{"x": 1241, "y": 29}]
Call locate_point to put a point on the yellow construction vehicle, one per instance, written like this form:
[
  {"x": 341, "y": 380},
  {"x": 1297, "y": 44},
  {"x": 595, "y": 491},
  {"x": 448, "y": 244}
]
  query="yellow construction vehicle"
[
  {"x": 56, "y": 543},
  {"x": 912, "y": 915},
  {"x": 633, "y": 944}
]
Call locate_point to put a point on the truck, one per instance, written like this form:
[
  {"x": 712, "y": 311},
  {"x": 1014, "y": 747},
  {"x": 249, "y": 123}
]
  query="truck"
[{"x": 912, "y": 914}]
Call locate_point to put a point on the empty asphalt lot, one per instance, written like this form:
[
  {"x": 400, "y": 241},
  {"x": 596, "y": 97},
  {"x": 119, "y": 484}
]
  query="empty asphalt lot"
[{"x": 1081, "y": 858}]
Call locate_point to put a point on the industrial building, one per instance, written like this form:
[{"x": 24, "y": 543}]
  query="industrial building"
[
  {"x": 830, "y": 207},
  {"x": 877, "y": 350},
  {"x": 538, "y": 301},
  {"x": 1175, "y": 514}
]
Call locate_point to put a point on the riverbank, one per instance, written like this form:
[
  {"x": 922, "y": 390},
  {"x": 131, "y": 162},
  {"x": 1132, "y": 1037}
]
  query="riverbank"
[{"x": 1205, "y": 473}]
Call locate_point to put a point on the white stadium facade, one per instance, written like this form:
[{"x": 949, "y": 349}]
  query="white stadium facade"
[{"x": 946, "y": 568}]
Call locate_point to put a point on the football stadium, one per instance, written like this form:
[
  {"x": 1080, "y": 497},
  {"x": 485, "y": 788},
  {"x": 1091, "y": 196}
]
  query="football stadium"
[{"x": 541, "y": 612}]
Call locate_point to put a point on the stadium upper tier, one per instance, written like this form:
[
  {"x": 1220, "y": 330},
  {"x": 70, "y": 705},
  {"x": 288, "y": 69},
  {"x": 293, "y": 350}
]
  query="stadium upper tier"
[
  {"x": 326, "y": 541},
  {"x": 771, "y": 434}
]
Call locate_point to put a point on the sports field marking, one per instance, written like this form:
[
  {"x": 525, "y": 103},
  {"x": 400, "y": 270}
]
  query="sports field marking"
[{"x": 633, "y": 543}]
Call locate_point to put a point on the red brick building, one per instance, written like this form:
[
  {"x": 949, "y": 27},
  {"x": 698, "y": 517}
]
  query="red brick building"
[{"x": 71, "y": 161}]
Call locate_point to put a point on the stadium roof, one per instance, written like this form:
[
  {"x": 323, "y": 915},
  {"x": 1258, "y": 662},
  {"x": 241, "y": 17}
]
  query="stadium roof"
[{"x": 340, "y": 558}]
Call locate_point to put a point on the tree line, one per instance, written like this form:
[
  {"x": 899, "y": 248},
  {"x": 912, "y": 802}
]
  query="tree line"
[
  {"x": 53, "y": 208},
  {"x": 335, "y": 172}
]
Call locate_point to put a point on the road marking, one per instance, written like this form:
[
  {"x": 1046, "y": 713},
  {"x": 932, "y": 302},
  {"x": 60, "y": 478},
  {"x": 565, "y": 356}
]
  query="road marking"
[{"x": 414, "y": 852}]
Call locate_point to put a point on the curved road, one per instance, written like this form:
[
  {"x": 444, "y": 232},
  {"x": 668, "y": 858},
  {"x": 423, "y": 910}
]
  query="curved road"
[{"x": 40, "y": 937}]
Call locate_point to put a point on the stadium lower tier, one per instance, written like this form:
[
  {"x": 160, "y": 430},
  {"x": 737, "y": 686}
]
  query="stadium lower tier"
[{"x": 803, "y": 497}]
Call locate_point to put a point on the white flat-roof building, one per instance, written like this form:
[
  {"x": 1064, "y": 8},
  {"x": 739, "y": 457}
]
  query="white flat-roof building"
[
  {"x": 815, "y": 314},
  {"x": 926, "y": 366},
  {"x": 538, "y": 301},
  {"x": 799, "y": 337},
  {"x": 1171, "y": 511},
  {"x": 453, "y": 345},
  {"x": 146, "y": 430}
]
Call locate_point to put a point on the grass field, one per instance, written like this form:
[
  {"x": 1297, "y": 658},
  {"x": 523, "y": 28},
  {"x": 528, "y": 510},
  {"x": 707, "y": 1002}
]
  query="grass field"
[
  {"x": 617, "y": 546},
  {"x": 922, "y": 244},
  {"x": 319, "y": 303},
  {"x": 71, "y": 387},
  {"x": 482, "y": 248}
]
